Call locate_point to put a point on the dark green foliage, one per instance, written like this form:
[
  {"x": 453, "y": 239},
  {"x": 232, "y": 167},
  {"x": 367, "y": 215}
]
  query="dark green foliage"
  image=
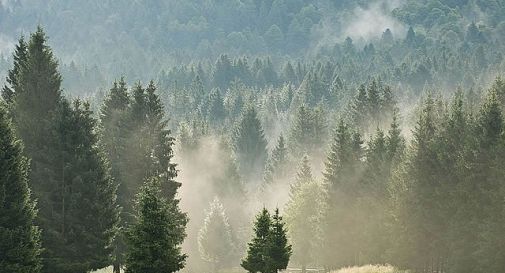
[
  {"x": 70, "y": 176},
  {"x": 250, "y": 145},
  {"x": 89, "y": 197},
  {"x": 19, "y": 236},
  {"x": 269, "y": 251},
  {"x": 138, "y": 145},
  {"x": 279, "y": 250},
  {"x": 154, "y": 239}
]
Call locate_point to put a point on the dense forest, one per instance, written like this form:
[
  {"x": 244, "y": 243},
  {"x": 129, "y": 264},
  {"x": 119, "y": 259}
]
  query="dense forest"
[{"x": 252, "y": 136}]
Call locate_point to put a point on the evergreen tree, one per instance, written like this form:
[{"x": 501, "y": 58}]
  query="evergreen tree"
[
  {"x": 278, "y": 249},
  {"x": 113, "y": 120},
  {"x": 19, "y": 236},
  {"x": 278, "y": 163},
  {"x": 343, "y": 167},
  {"x": 308, "y": 131},
  {"x": 67, "y": 166},
  {"x": 421, "y": 196},
  {"x": 215, "y": 241},
  {"x": 89, "y": 197},
  {"x": 303, "y": 216},
  {"x": 250, "y": 146},
  {"x": 257, "y": 249},
  {"x": 154, "y": 239},
  {"x": 20, "y": 56},
  {"x": 139, "y": 145}
]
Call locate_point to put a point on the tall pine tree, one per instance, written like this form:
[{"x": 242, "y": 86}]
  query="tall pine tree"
[{"x": 19, "y": 236}]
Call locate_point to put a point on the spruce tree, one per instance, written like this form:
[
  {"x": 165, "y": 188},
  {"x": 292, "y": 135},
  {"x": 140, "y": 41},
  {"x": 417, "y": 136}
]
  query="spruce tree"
[
  {"x": 257, "y": 249},
  {"x": 139, "y": 146},
  {"x": 19, "y": 236},
  {"x": 343, "y": 166},
  {"x": 420, "y": 197},
  {"x": 250, "y": 146},
  {"x": 277, "y": 165},
  {"x": 303, "y": 216},
  {"x": 20, "y": 57},
  {"x": 154, "y": 240},
  {"x": 278, "y": 250},
  {"x": 89, "y": 209},
  {"x": 215, "y": 241},
  {"x": 113, "y": 120},
  {"x": 308, "y": 132}
]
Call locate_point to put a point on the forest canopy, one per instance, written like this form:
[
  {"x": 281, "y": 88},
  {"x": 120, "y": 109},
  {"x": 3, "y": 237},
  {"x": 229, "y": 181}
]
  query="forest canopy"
[{"x": 252, "y": 135}]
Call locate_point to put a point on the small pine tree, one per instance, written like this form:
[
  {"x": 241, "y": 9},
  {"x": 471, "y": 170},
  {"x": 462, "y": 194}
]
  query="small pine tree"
[
  {"x": 279, "y": 250},
  {"x": 269, "y": 250},
  {"x": 256, "y": 253},
  {"x": 215, "y": 241},
  {"x": 20, "y": 246},
  {"x": 154, "y": 240}
]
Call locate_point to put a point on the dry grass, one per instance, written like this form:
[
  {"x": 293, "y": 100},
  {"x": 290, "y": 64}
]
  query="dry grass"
[{"x": 370, "y": 269}]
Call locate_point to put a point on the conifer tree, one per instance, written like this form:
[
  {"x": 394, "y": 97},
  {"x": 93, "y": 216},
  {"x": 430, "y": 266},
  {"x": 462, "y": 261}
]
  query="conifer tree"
[
  {"x": 139, "y": 145},
  {"x": 420, "y": 197},
  {"x": 68, "y": 167},
  {"x": 308, "y": 131},
  {"x": 20, "y": 56},
  {"x": 215, "y": 241},
  {"x": 303, "y": 216},
  {"x": 343, "y": 166},
  {"x": 278, "y": 249},
  {"x": 250, "y": 146},
  {"x": 277, "y": 164},
  {"x": 154, "y": 239},
  {"x": 257, "y": 249},
  {"x": 19, "y": 236},
  {"x": 487, "y": 173}
]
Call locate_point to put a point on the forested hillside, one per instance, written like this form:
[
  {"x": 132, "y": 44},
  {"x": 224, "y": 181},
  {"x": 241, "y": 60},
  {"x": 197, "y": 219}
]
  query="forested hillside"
[{"x": 252, "y": 135}]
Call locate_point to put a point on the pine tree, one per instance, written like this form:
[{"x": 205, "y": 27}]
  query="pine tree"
[
  {"x": 134, "y": 126},
  {"x": 89, "y": 193},
  {"x": 154, "y": 239},
  {"x": 308, "y": 131},
  {"x": 419, "y": 212},
  {"x": 278, "y": 248},
  {"x": 20, "y": 57},
  {"x": 19, "y": 236},
  {"x": 250, "y": 146},
  {"x": 343, "y": 167},
  {"x": 278, "y": 163},
  {"x": 38, "y": 96},
  {"x": 113, "y": 120},
  {"x": 215, "y": 241},
  {"x": 257, "y": 249},
  {"x": 303, "y": 216},
  {"x": 487, "y": 173}
]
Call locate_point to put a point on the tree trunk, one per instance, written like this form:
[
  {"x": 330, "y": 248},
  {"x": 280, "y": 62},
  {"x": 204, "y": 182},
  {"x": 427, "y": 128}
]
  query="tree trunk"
[{"x": 116, "y": 267}]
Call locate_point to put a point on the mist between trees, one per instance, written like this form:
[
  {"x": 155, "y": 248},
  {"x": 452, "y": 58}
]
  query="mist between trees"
[{"x": 234, "y": 166}]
